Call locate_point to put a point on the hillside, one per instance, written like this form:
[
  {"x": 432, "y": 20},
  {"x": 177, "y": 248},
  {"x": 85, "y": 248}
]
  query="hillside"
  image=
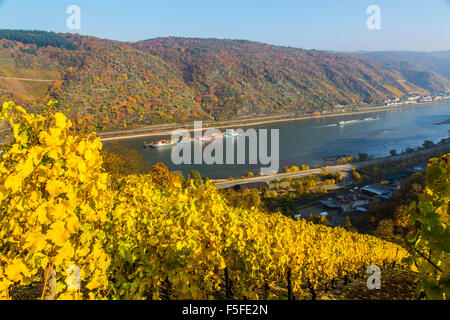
[
  {"x": 438, "y": 61},
  {"x": 429, "y": 70},
  {"x": 104, "y": 84},
  {"x": 240, "y": 77}
]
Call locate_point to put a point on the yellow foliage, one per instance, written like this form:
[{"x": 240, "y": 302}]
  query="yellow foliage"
[
  {"x": 56, "y": 209},
  {"x": 43, "y": 197}
]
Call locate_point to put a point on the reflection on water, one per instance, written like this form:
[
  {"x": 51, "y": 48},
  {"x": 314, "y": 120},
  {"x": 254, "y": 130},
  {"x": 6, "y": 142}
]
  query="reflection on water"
[{"x": 311, "y": 141}]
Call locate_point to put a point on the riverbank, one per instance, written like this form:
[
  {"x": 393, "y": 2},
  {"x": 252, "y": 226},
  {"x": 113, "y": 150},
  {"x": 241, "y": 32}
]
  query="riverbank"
[{"x": 168, "y": 129}]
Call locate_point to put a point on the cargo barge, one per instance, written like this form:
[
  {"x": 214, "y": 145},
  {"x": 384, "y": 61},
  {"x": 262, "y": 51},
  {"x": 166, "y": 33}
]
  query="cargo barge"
[{"x": 164, "y": 143}]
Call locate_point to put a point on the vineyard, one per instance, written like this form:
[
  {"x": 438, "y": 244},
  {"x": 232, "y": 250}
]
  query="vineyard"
[{"x": 150, "y": 236}]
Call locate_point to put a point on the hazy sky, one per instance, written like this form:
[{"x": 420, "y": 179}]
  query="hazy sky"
[{"x": 422, "y": 25}]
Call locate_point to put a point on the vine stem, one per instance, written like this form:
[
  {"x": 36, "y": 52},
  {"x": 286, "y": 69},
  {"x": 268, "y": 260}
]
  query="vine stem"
[
  {"x": 46, "y": 276},
  {"x": 429, "y": 261}
]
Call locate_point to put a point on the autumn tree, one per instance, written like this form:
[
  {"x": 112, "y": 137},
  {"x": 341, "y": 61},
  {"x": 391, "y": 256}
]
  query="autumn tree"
[{"x": 121, "y": 160}]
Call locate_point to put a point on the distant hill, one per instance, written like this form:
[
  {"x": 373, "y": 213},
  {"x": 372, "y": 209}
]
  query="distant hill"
[
  {"x": 104, "y": 84},
  {"x": 438, "y": 61},
  {"x": 430, "y": 70}
]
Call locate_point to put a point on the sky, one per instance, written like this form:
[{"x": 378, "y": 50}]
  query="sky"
[{"x": 340, "y": 25}]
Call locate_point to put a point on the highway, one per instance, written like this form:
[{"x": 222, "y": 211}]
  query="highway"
[{"x": 345, "y": 167}]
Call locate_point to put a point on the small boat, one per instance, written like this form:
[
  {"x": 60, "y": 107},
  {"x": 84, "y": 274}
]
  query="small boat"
[
  {"x": 231, "y": 133},
  {"x": 341, "y": 123},
  {"x": 186, "y": 140},
  {"x": 160, "y": 143},
  {"x": 371, "y": 119}
]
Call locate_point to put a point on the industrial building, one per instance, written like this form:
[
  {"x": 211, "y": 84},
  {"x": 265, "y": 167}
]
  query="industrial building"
[{"x": 380, "y": 190}]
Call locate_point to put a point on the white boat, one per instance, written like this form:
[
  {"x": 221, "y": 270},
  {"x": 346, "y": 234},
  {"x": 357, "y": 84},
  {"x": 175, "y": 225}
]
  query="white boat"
[{"x": 341, "y": 123}]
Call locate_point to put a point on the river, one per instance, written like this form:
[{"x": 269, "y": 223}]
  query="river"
[{"x": 311, "y": 141}]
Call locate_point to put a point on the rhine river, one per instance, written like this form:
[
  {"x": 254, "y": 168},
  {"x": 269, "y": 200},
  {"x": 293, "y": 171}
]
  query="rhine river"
[{"x": 311, "y": 141}]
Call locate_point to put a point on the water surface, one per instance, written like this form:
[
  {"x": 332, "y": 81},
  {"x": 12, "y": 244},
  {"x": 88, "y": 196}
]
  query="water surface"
[{"x": 311, "y": 141}]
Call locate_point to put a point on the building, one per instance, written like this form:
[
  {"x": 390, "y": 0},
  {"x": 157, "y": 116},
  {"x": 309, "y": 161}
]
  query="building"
[
  {"x": 359, "y": 203},
  {"x": 331, "y": 204},
  {"x": 382, "y": 191},
  {"x": 416, "y": 169}
]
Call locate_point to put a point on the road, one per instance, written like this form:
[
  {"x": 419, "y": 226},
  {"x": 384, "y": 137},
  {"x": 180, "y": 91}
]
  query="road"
[{"x": 340, "y": 168}]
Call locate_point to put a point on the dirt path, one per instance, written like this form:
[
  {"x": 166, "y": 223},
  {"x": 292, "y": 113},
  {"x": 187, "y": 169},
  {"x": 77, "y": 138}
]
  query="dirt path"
[
  {"x": 29, "y": 79},
  {"x": 396, "y": 284}
]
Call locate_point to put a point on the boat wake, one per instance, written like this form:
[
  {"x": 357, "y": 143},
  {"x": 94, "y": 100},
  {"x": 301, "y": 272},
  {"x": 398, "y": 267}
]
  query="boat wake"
[
  {"x": 341, "y": 123},
  {"x": 328, "y": 125}
]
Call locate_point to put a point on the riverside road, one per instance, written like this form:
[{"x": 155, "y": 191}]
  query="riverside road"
[{"x": 338, "y": 168}]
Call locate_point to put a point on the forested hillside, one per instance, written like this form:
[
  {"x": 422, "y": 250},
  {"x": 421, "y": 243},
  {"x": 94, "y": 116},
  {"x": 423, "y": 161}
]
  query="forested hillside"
[
  {"x": 438, "y": 61},
  {"x": 429, "y": 70},
  {"x": 38, "y": 38},
  {"x": 238, "y": 77},
  {"x": 103, "y": 84}
]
